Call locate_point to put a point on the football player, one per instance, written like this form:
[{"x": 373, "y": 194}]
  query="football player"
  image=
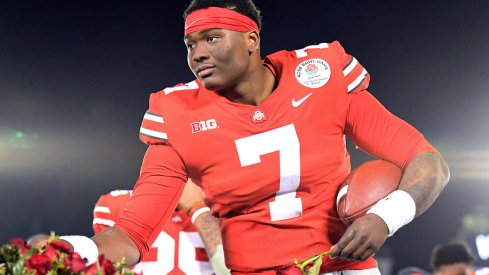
[
  {"x": 180, "y": 248},
  {"x": 453, "y": 259},
  {"x": 265, "y": 139}
]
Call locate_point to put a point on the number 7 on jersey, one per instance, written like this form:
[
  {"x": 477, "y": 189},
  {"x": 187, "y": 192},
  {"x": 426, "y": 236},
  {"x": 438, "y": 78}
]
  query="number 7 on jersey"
[{"x": 285, "y": 141}]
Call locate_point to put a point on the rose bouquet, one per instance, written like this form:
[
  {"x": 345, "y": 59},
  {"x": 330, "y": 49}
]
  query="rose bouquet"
[{"x": 19, "y": 258}]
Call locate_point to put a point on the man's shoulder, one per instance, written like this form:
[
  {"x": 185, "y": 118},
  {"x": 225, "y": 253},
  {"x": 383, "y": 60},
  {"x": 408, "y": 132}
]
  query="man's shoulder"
[
  {"x": 166, "y": 108},
  {"x": 182, "y": 87},
  {"x": 319, "y": 49},
  {"x": 331, "y": 52},
  {"x": 178, "y": 90},
  {"x": 115, "y": 197}
]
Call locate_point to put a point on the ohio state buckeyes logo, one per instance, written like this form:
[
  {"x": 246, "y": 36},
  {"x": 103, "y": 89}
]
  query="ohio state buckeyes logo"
[
  {"x": 259, "y": 117},
  {"x": 313, "y": 73}
]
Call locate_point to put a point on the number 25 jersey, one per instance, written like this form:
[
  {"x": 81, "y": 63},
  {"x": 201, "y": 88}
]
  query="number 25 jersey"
[{"x": 177, "y": 250}]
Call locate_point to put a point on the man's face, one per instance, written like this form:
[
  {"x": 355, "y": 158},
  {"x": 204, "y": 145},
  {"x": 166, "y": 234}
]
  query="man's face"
[{"x": 218, "y": 58}]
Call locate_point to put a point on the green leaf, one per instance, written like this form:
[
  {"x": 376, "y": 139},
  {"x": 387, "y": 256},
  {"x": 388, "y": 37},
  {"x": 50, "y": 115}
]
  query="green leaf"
[
  {"x": 3, "y": 269},
  {"x": 120, "y": 264},
  {"x": 302, "y": 266},
  {"x": 18, "y": 267},
  {"x": 315, "y": 268},
  {"x": 53, "y": 237},
  {"x": 317, "y": 261}
]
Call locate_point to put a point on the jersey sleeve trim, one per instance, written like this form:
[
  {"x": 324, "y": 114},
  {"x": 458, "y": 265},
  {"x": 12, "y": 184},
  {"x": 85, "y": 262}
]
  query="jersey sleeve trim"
[
  {"x": 151, "y": 130},
  {"x": 358, "y": 81},
  {"x": 150, "y": 134},
  {"x": 102, "y": 209},
  {"x": 356, "y": 76},
  {"x": 103, "y": 222},
  {"x": 153, "y": 117},
  {"x": 350, "y": 66},
  {"x": 116, "y": 193}
]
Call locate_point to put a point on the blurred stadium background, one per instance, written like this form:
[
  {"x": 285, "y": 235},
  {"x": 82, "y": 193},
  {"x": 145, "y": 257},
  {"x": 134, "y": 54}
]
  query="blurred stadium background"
[{"x": 75, "y": 78}]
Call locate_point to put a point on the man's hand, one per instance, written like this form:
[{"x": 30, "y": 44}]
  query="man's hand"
[
  {"x": 38, "y": 240},
  {"x": 362, "y": 239},
  {"x": 41, "y": 240}
]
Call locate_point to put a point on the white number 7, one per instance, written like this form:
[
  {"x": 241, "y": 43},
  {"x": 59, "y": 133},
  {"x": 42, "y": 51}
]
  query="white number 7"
[{"x": 284, "y": 140}]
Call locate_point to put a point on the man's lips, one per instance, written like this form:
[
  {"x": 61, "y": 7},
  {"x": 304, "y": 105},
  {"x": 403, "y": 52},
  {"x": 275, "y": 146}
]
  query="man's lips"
[{"x": 204, "y": 70}]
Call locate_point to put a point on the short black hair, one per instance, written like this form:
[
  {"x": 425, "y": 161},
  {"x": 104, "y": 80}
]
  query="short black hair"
[
  {"x": 451, "y": 254},
  {"x": 245, "y": 7}
]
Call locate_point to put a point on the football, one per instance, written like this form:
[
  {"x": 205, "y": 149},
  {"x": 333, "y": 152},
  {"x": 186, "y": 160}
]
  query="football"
[{"x": 364, "y": 186}]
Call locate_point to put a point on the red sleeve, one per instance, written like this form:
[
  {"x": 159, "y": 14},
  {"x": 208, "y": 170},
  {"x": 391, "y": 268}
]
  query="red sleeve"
[
  {"x": 380, "y": 133},
  {"x": 153, "y": 128},
  {"x": 154, "y": 197},
  {"x": 356, "y": 76}
]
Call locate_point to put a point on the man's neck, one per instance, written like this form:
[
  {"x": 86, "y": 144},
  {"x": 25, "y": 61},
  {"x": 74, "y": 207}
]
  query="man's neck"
[{"x": 254, "y": 89}]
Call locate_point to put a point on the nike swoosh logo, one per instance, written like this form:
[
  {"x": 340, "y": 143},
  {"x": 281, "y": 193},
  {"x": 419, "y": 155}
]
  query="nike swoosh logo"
[{"x": 300, "y": 101}]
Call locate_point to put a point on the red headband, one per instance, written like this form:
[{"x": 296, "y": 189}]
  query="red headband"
[{"x": 218, "y": 18}]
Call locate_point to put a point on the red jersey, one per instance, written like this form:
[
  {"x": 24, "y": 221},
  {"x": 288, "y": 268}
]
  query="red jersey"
[
  {"x": 270, "y": 172},
  {"x": 177, "y": 250}
]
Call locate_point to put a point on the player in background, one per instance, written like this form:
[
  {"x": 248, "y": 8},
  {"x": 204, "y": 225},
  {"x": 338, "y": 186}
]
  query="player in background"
[
  {"x": 265, "y": 139},
  {"x": 454, "y": 259},
  {"x": 179, "y": 248}
]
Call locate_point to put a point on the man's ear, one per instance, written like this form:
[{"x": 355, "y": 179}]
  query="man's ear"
[{"x": 253, "y": 40}]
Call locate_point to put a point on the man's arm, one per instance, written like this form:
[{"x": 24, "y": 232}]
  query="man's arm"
[
  {"x": 423, "y": 179},
  {"x": 425, "y": 173},
  {"x": 206, "y": 225},
  {"x": 209, "y": 231},
  {"x": 115, "y": 244}
]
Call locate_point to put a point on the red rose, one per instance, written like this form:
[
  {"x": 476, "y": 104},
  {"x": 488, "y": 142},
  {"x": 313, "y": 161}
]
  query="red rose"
[
  {"x": 91, "y": 269},
  {"x": 21, "y": 244},
  {"x": 51, "y": 252},
  {"x": 74, "y": 262},
  {"x": 61, "y": 246},
  {"x": 40, "y": 263},
  {"x": 289, "y": 270},
  {"x": 106, "y": 265}
]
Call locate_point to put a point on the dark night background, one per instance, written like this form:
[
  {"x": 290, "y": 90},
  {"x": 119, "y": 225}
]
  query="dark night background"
[{"x": 75, "y": 78}]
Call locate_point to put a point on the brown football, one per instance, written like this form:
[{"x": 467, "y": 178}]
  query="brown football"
[{"x": 365, "y": 185}]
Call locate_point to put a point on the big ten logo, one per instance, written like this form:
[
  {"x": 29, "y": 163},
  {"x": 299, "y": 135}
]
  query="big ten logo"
[{"x": 203, "y": 125}]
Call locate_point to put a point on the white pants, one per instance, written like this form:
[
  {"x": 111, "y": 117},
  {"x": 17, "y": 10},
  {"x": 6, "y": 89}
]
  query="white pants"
[{"x": 371, "y": 271}]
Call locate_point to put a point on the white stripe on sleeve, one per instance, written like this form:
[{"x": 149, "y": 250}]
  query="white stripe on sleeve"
[
  {"x": 357, "y": 81},
  {"x": 350, "y": 66},
  {"x": 102, "y": 209},
  {"x": 103, "y": 222},
  {"x": 153, "y": 134},
  {"x": 153, "y": 117}
]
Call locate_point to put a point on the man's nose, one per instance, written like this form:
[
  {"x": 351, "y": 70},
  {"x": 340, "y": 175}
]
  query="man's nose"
[{"x": 200, "y": 53}]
